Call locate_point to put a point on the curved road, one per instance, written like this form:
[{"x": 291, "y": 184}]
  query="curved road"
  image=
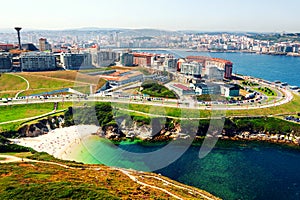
[{"x": 184, "y": 104}]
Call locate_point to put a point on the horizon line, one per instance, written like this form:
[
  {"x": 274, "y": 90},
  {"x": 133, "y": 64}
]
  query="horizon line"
[{"x": 141, "y": 28}]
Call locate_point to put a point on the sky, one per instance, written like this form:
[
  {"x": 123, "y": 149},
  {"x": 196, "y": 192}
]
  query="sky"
[{"x": 200, "y": 15}]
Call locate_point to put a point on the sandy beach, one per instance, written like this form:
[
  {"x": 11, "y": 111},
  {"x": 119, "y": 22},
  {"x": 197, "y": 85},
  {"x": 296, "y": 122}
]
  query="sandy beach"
[{"x": 59, "y": 142}]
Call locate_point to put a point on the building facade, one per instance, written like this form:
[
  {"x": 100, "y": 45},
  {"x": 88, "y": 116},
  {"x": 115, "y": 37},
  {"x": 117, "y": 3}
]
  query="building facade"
[
  {"x": 106, "y": 58},
  {"x": 171, "y": 63},
  {"x": 142, "y": 59},
  {"x": 182, "y": 90},
  {"x": 191, "y": 69},
  {"x": 75, "y": 61},
  {"x": 44, "y": 45},
  {"x": 214, "y": 73},
  {"x": 127, "y": 59},
  {"x": 206, "y": 88},
  {"x": 5, "y": 62},
  {"x": 226, "y": 65},
  {"x": 37, "y": 61},
  {"x": 230, "y": 90}
]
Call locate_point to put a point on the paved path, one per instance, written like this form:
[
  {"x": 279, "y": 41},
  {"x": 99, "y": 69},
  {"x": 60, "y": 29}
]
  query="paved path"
[
  {"x": 27, "y": 82},
  {"x": 133, "y": 178}
]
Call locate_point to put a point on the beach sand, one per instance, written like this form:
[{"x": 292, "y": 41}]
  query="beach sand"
[{"x": 61, "y": 143}]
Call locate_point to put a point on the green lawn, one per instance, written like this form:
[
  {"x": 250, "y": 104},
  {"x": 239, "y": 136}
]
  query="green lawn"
[
  {"x": 38, "y": 82},
  {"x": 154, "y": 89},
  {"x": 8, "y": 94},
  {"x": 290, "y": 108},
  {"x": 10, "y": 82},
  {"x": 15, "y": 112},
  {"x": 266, "y": 91},
  {"x": 10, "y": 85}
]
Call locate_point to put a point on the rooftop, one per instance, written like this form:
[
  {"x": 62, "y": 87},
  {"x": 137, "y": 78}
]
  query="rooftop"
[{"x": 182, "y": 87}]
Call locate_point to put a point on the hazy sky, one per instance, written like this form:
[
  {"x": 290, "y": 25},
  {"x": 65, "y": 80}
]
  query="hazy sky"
[{"x": 206, "y": 15}]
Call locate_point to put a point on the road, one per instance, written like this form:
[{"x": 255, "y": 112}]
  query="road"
[{"x": 288, "y": 96}]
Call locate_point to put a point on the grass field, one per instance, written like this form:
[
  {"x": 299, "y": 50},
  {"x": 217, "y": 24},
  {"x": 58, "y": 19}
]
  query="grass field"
[
  {"x": 41, "y": 82},
  {"x": 18, "y": 112},
  {"x": 292, "y": 107},
  {"x": 9, "y": 113},
  {"x": 10, "y": 85},
  {"x": 23, "y": 180},
  {"x": 10, "y": 82},
  {"x": 8, "y": 94},
  {"x": 38, "y": 82},
  {"x": 73, "y": 76},
  {"x": 15, "y": 112},
  {"x": 84, "y": 71}
]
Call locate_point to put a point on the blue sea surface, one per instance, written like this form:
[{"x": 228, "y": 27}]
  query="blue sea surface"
[
  {"x": 232, "y": 170},
  {"x": 268, "y": 67}
]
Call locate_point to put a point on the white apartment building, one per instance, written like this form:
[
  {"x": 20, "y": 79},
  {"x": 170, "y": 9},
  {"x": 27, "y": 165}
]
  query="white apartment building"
[
  {"x": 191, "y": 69},
  {"x": 37, "y": 61}
]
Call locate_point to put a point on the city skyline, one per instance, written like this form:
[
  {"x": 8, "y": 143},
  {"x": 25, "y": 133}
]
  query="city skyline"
[{"x": 232, "y": 15}]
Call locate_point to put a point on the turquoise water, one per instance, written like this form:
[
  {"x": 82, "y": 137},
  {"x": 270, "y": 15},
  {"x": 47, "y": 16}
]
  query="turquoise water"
[
  {"x": 271, "y": 68},
  {"x": 232, "y": 170}
]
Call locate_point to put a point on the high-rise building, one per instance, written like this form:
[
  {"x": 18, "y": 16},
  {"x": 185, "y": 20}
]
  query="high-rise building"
[
  {"x": 75, "y": 61},
  {"x": 44, "y": 45},
  {"x": 228, "y": 70},
  {"x": 106, "y": 58},
  {"x": 214, "y": 72},
  {"x": 127, "y": 59},
  {"x": 192, "y": 69},
  {"x": 37, "y": 61},
  {"x": 5, "y": 62},
  {"x": 142, "y": 59},
  {"x": 171, "y": 63}
]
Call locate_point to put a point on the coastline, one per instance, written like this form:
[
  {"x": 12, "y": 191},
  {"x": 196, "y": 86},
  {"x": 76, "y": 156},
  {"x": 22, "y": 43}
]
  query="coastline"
[
  {"x": 71, "y": 143},
  {"x": 60, "y": 142}
]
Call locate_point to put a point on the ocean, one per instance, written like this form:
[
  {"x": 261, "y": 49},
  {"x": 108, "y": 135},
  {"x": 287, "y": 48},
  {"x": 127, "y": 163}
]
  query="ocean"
[
  {"x": 271, "y": 68},
  {"x": 232, "y": 170}
]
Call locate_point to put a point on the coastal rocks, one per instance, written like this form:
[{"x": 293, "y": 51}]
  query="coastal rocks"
[
  {"x": 130, "y": 129},
  {"x": 41, "y": 127},
  {"x": 33, "y": 130},
  {"x": 111, "y": 132},
  {"x": 265, "y": 136}
]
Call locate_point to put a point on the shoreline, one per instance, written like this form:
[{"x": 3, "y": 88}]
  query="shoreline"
[
  {"x": 68, "y": 143},
  {"x": 59, "y": 142}
]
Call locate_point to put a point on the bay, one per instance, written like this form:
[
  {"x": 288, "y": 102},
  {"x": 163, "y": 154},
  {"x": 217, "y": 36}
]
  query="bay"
[
  {"x": 268, "y": 67},
  {"x": 232, "y": 170}
]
